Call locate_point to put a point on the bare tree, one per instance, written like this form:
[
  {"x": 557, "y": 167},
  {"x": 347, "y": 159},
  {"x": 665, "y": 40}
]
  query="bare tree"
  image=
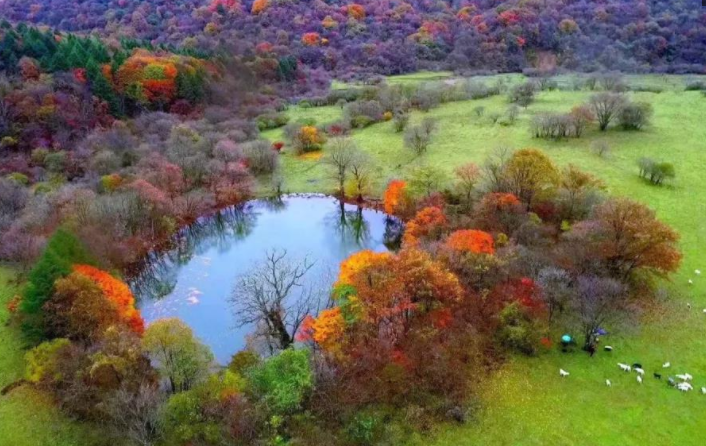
[
  {"x": 556, "y": 291},
  {"x": 135, "y": 413},
  {"x": 275, "y": 296},
  {"x": 360, "y": 168},
  {"x": 597, "y": 300},
  {"x": 605, "y": 107},
  {"x": 341, "y": 152},
  {"x": 419, "y": 136},
  {"x": 493, "y": 169}
]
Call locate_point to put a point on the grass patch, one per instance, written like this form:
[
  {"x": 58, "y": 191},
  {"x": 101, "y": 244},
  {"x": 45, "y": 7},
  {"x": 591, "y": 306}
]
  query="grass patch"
[
  {"x": 28, "y": 417},
  {"x": 526, "y": 403}
]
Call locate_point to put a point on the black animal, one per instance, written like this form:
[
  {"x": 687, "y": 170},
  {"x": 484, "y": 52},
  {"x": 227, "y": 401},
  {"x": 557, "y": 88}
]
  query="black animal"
[
  {"x": 637, "y": 365},
  {"x": 657, "y": 375}
]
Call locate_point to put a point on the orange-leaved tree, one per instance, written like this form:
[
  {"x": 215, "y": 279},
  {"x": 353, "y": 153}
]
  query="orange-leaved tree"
[
  {"x": 397, "y": 199},
  {"x": 471, "y": 240},
  {"x": 117, "y": 292},
  {"x": 428, "y": 223}
]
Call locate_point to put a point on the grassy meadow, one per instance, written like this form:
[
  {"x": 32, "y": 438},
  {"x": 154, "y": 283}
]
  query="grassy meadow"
[
  {"x": 28, "y": 417},
  {"x": 526, "y": 403}
]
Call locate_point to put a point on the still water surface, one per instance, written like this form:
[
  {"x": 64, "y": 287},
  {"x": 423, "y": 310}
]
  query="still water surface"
[{"x": 194, "y": 280}]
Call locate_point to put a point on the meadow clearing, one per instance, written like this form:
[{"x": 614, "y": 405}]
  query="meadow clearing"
[{"x": 526, "y": 403}]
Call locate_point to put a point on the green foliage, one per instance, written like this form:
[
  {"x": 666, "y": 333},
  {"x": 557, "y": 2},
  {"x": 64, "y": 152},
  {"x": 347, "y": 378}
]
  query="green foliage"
[
  {"x": 179, "y": 356},
  {"x": 518, "y": 330},
  {"x": 364, "y": 429},
  {"x": 656, "y": 172},
  {"x": 189, "y": 418},
  {"x": 283, "y": 381},
  {"x": 63, "y": 250},
  {"x": 18, "y": 178},
  {"x": 242, "y": 361}
]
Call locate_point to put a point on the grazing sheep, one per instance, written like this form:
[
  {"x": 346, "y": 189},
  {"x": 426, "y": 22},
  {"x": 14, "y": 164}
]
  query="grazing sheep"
[
  {"x": 624, "y": 367},
  {"x": 639, "y": 371},
  {"x": 639, "y": 379},
  {"x": 688, "y": 306},
  {"x": 666, "y": 365},
  {"x": 637, "y": 365},
  {"x": 697, "y": 272},
  {"x": 671, "y": 382},
  {"x": 691, "y": 282},
  {"x": 607, "y": 383},
  {"x": 608, "y": 348},
  {"x": 657, "y": 375},
  {"x": 684, "y": 387},
  {"x": 688, "y": 377},
  {"x": 563, "y": 373},
  {"x": 682, "y": 377},
  {"x": 703, "y": 390}
]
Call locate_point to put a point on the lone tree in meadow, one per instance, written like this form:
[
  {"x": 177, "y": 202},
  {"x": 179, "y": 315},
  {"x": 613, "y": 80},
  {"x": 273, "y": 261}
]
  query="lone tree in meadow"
[
  {"x": 523, "y": 94},
  {"x": 605, "y": 107},
  {"x": 341, "y": 153},
  {"x": 419, "y": 136}
]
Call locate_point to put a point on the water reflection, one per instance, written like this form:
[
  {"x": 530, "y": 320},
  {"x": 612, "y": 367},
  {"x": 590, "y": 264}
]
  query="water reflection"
[{"x": 194, "y": 278}]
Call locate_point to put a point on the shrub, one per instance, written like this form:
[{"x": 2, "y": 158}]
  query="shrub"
[
  {"x": 656, "y": 172},
  {"x": 361, "y": 114},
  {"x": 18, "y": 178},
  {"x": 518, "y": 330},
  {"x": 400, "y": 121},
  {"x": 418, "y": 137},
  {"x": 634, "y": 116},
  {"x": 260, "y": 156},
  {"x": 272, "y": 121},
  {"x": 523, "y": 94},
  {"x": 283, "y": 381},
  {"x": 601, "y": 148}
]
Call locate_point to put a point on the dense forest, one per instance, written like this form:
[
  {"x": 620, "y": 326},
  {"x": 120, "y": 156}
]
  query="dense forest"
[
  {"x": 124, "y": 121},
  {"x": 395, "y": 36}
]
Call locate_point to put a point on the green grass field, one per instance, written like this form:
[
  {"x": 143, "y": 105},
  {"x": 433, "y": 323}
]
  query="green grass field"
[
  {"x": 526, "y": 403},
  {"x": 28, "y": 417}
]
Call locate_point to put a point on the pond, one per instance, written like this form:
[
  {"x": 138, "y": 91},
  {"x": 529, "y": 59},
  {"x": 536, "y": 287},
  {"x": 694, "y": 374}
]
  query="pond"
[{"x": 194, "y": 280}]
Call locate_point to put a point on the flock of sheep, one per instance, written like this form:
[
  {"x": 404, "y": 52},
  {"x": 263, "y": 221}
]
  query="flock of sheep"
[
  {"x": 682, "y": 381},
  {"x": 683, "y": 384}
]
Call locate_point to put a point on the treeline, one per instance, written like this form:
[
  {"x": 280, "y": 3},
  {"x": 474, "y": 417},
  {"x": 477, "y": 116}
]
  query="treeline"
[{"x": 371, "y": 37}]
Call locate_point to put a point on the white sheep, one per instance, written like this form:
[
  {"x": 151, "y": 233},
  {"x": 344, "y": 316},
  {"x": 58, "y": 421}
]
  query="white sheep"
[
  {"x": 682, "y": 377},
  {"x": 624, "y": 367},
  {"x": 691, "y": 282},
  {"x": 697, "y": 272},
  {"x": 666, "y": 365},
  {"x": 563, "y": 373},
  {"x": 639, "y": 379},
  {"x": 609, "y": 348},
  {"x": 684, "y": 386},
  {"x": 688, "y": 377},
  {"x": 639, "y": 371},
  {"x": 703, "y": 390},
  {"x": 607, "y": 383}
]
